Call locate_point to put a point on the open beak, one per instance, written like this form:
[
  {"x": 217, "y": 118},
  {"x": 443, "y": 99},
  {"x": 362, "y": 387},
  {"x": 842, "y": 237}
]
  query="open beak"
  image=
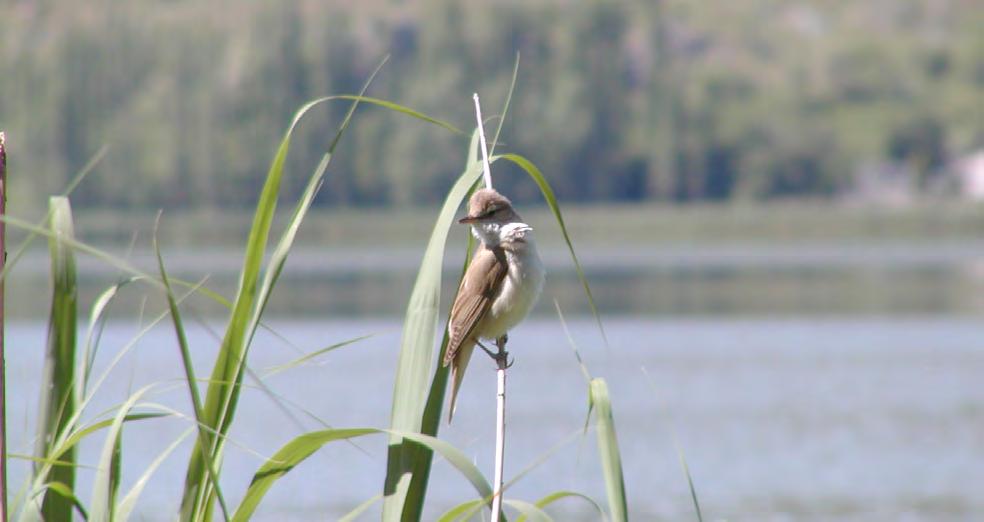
[{"x": 467, "y": 220}]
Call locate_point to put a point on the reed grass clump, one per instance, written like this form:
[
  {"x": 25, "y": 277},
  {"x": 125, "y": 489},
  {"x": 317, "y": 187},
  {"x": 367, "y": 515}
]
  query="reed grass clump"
[{"x": 418, "y": 386}]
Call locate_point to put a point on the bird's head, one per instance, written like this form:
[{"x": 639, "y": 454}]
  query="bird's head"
[{"x": 488, "y": 211}]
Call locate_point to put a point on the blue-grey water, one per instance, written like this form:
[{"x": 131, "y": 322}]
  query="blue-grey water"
[
  {"x": 789, "y": 279},
  {"x": 810, "y": 418}
]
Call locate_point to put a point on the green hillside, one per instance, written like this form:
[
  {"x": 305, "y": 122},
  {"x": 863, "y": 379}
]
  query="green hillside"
[{"x": 616, "y": 101}]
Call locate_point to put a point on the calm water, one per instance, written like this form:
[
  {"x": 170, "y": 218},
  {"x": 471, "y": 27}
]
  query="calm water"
[
  {"x": 942, "y": 277},
  {"x": 780, "y": 419}
]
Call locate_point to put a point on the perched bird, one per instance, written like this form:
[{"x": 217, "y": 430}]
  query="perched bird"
[{"x": 499, "y": 288}]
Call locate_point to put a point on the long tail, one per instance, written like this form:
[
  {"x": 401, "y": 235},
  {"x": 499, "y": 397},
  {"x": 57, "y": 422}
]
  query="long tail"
[{"x": 458, "y": 367}]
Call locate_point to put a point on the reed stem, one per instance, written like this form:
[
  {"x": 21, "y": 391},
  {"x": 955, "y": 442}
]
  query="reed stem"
[
  {"x": 500, "y": 429},
  {"x": 487, "y": 169},
  {"x": 3, "y": 376},
  {"x": 500, "y": 395}
]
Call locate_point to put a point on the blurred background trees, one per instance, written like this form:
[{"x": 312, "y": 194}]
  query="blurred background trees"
[{"x": 623, "y": 101}]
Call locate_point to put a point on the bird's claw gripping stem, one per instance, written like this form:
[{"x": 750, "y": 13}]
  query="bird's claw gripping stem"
[{"x": 501, "y": 357}]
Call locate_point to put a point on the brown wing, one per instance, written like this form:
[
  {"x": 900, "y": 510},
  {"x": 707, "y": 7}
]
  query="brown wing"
[{"x": 475, "y": 295}]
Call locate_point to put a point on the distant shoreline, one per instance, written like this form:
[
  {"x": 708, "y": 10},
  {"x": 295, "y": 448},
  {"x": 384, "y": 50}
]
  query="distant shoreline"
[{"x": 605, "y": 224}]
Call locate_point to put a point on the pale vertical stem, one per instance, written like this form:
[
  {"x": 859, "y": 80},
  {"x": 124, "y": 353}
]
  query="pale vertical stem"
[
  {"x": 487, "y": 172},
  {"x": 500, "y": 434},
  {"x": 500, "y": 397},
  {"x": 3, "y": 364}
]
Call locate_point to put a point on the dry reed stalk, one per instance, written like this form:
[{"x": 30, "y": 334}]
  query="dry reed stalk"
[
  {"x": 3, "y": 377},
  {"x": 500, "y": 374}
]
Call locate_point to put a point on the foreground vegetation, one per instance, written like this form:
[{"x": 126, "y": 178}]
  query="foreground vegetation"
[
  {"x": 70, "y": 381},
  {"x": 669, "y": 100}
]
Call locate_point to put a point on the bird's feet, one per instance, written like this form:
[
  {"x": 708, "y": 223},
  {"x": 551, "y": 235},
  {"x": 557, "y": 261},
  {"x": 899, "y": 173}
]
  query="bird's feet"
[
  {"x": 486, "y": 350},
  {"x": 501, "y": 357}
]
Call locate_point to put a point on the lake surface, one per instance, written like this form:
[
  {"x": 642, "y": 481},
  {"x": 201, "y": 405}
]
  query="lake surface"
[
  {"x": 873, "y": 417},
  {"x": 721, "y": 279}
]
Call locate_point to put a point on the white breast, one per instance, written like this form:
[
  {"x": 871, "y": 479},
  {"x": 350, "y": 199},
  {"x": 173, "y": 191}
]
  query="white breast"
[{"x": 520, "y": 288}]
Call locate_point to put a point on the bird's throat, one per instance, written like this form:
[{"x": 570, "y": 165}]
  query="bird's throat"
[{"x": 487, "y": 233}]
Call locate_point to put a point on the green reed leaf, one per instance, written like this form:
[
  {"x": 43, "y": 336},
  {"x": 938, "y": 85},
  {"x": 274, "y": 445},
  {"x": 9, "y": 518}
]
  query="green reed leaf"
[{"x": 611, "y": 460}]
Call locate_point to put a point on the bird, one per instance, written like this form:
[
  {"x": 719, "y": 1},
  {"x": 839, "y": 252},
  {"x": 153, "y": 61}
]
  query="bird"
[{"x": 500, "y": 286}]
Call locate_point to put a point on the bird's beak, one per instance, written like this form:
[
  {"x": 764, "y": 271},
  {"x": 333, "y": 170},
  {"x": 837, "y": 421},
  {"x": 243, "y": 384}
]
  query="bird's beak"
[{"x": 467, "y": 220}]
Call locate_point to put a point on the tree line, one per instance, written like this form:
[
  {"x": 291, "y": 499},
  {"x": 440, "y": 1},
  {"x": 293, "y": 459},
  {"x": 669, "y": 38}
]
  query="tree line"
[{"x": 616, "y": 101}]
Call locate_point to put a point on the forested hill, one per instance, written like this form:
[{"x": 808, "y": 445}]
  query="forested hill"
[{"x": 671, "y": 100}]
